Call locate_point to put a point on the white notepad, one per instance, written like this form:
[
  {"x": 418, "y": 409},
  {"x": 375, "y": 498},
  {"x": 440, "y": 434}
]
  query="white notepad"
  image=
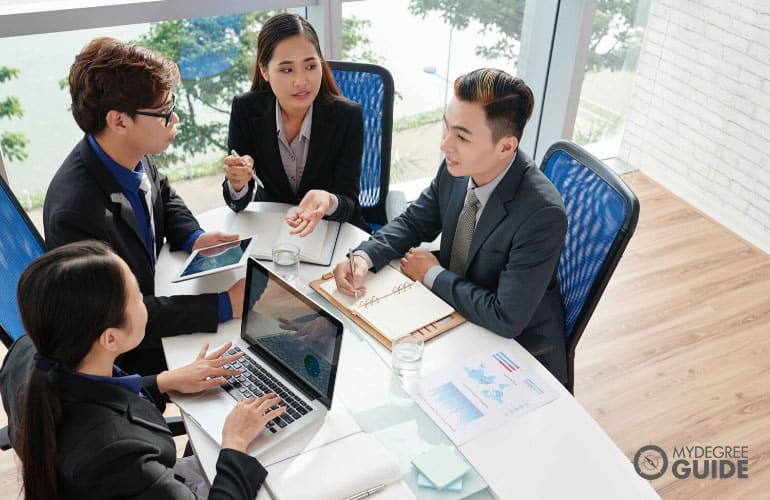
[
  {"x": 315, "y": 248},
  {"x": 334, "y": 471},
  {"x": 394, "y": 304}
]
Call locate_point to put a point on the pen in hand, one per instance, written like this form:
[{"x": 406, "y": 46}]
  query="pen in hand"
[
  {"x": 352, "y": 272},
  {"x": 253, "y": 173}
]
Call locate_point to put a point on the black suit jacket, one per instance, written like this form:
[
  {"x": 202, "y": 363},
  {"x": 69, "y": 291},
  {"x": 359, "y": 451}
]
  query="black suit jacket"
[
  {"x": 333, "y": 158},
  {"x": 84, "y": 201},
  {"x": 113, "y": 443},
  {"x": 510, "y": 284}
]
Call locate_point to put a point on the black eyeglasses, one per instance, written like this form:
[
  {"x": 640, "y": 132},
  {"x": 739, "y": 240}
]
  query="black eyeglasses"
[{"x": 166, "y": 115}]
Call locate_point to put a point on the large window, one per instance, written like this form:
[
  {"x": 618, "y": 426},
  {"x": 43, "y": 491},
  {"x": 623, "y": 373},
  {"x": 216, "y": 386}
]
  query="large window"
[
  {"x": 469, "y": 35},
  {"x": 215, "y": 56},
  {"x": 613, "y": 55}
]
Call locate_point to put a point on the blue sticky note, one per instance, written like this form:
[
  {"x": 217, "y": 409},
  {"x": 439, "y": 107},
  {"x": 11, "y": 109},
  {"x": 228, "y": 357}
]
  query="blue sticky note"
[
  {"x": 441, "y": 466},
  {"x": 423, "y": 481}
]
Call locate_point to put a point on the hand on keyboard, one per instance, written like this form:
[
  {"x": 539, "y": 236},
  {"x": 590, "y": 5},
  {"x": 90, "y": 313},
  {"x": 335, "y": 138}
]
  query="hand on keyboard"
[
  {"x": 247, "y": 420},
  {"x": 208, "y": 370}
]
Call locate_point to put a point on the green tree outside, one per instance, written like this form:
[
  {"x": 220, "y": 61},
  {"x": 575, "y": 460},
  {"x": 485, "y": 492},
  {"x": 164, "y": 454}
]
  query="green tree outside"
[
  {"x": 612, "y": 38},
  {"x": 13, "y": 144},
  {"x": 217, "y": 57}
]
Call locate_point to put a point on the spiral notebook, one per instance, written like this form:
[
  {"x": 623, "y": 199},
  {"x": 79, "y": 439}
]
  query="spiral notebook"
[{"x": 394, "y": 305}]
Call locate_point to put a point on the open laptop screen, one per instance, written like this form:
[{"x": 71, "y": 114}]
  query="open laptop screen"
[{"x": 297, "y": 336}]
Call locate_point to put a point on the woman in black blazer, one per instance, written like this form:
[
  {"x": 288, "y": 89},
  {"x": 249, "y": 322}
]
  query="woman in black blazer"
[
  {"x": 87, "y": 430},
  {"x": 294, "y": 130}
]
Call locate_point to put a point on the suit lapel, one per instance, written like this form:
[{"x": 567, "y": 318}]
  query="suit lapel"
[
  {"x": 266, "y": 146},
  {"x": 113, "y": 191},
  {"x": 321, "y": 133},
  {"x": 496, "y": 208},
  {"x": 157, "y": 207}
]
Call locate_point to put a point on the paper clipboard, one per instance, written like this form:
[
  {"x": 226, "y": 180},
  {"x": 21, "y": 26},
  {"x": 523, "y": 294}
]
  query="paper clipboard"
[{"x": 427, "y": 332}]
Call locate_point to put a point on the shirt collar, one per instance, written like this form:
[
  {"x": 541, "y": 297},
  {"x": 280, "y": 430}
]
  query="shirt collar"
[
  {"x": 131, "y": 383},
  {"x": 304, "y": 130},
  {"x": 484, "y": 192},
  {"x": 129, "y": 180}
]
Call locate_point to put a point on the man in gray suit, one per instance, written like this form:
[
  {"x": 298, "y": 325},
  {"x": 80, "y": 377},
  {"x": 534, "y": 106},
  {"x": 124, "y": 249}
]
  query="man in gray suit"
[{"x": 502, "y": 223}]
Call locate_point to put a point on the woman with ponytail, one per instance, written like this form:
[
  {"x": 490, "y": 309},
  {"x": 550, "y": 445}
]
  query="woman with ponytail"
[{"x": 85, "y": 428}]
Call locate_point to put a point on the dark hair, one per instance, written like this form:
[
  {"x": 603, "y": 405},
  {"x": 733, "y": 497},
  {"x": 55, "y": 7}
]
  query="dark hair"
[
  {"x": 112, "y": 75},
  {"x": 67, "y": 298},
  {"x": 507, "y": 100},
  {"x": 275, "y": 30}
]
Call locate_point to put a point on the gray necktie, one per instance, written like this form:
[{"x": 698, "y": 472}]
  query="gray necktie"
[{"x": 466, "y": 223}]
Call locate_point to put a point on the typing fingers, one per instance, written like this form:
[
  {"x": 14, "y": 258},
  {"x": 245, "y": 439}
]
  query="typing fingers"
[
  {"x": 202, "y": 352},
  {"x": 219, "y": 351}
]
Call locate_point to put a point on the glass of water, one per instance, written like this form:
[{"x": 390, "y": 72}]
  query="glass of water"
[
  {"x": 286, "y": 261},
  {"x": 407, "y": 356}
]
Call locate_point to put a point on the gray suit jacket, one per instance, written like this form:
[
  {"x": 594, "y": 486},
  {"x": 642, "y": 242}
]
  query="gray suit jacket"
[{"x": 510, "y": 284}]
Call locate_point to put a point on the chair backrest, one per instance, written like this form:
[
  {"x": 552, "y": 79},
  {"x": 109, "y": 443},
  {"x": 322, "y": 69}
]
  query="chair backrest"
[
  {"x": 371, "y": 86},
  {"x": 602, "y": 213},
  {"x": 20, "y": 243}
]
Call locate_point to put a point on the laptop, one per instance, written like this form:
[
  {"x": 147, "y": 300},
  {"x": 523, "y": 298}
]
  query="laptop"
[{"x": 291, "y": 347}]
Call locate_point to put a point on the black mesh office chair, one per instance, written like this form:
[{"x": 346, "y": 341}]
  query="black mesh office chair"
[
  {"x": 602, "y": 212},
  {"x": 372, "y": 87}
]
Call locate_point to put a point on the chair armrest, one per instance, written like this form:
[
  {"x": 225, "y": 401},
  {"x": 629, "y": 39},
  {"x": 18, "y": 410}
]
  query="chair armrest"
[
  {"x": 5, "y": 442},
  {"x": 395, "y": 204},
  {"x": 176, "y": 424}
]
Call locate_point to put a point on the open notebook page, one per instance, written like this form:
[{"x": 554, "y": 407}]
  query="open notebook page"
[
  {"x": 393, "y": 303},
  {"x": 273, "y": 229}
]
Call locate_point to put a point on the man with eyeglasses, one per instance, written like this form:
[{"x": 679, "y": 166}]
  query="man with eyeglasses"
[{"x": 109, "y": 188}]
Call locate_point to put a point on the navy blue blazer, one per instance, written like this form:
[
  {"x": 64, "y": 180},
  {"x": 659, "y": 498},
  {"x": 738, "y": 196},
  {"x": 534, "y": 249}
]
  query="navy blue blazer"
[
  {"x": 333, "y": 159},
  {"x": 510, "y": 284}
]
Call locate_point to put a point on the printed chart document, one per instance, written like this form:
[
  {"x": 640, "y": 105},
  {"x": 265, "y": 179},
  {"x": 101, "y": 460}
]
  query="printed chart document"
[
  {"x": 483, "y": 393},
  {"x": 394, "y": 304},
  {"x": 271, "y": 227}
]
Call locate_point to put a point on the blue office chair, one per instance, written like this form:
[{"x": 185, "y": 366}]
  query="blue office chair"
[
  {"x": 602, "y": 213},
  {"x": 20, "y": 243},
  {"x": 372, "y": 87}
]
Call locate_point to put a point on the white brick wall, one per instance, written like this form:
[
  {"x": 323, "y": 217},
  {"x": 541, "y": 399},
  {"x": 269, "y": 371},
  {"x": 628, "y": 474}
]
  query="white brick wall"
[{"x": 699, "y": 121}]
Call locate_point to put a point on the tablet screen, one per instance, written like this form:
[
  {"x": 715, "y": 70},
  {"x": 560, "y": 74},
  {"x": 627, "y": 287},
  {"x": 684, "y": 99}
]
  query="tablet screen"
[{"x": 218, "y": 257}]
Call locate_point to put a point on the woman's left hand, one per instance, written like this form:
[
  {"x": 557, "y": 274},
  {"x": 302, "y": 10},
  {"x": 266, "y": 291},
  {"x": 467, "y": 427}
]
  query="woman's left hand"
[
  {"x": 310, "y": 211},
  {"x": 206, "y": 371}
]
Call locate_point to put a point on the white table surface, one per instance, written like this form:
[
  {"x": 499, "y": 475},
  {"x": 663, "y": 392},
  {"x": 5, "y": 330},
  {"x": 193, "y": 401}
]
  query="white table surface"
[{"x": 556, "y": 451}]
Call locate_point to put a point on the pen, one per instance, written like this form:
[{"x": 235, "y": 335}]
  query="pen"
[
  {"x": 366, "y": 493},
  {"x": 253, "y": 173},
  {"x": 353, "y": 272}
]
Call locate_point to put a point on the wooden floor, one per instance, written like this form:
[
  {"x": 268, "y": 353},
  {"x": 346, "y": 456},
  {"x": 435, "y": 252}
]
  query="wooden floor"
[{"x": 678, "y": 351}]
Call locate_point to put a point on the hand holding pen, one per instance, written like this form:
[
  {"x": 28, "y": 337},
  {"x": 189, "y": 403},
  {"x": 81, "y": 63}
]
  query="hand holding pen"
[
  {"x": 239, "y": 169},
  {"x": 349, "y": 275}
]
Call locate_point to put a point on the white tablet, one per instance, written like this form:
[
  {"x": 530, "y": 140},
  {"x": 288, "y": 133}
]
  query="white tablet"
[{"x": 213, "y": 259}]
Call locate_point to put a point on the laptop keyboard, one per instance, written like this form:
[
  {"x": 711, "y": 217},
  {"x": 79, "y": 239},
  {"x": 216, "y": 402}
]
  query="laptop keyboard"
[{"x": 255, "y": 382}]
